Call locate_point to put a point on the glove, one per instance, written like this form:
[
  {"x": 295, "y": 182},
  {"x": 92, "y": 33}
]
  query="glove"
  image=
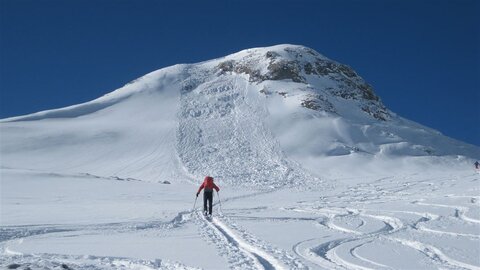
[{"x": 197, "y": 194}]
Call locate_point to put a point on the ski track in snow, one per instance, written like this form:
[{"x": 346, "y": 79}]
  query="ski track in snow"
[
  {"x": 359, "y": 227},
  {"x": 71, "y": 262},
  {"x": 435, "y": 254},
  {"x": 342, "y": 253},
  {"x": 242, "y": 249},
  {"x": 329, "y": 251},
  {"x": 240, "y": 252},
  {"x": 52, "y": 261},
  {"x": 236, "y": 256},
  {"x": 17, "y": 232}
]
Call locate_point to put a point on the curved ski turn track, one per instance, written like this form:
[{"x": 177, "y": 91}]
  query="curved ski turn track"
[{"x": 348, "y": 227}]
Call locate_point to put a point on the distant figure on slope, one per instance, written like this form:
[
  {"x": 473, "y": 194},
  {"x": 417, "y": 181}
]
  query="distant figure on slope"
[
  {"x": 477, "y": 165},
  {"x": 208, "y": 185}
]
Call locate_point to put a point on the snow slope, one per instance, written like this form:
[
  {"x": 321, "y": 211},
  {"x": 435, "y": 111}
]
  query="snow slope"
[
  {"x": 297, "y": 142},
  {"x": 255, "y": 115}
]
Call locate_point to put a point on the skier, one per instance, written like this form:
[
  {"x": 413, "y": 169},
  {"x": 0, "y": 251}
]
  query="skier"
[
  {"x": 477, "y": 165},
  {"x": 208, "y": 185}
]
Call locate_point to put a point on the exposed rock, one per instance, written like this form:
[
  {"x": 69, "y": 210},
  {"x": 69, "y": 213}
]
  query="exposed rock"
[
  {"x": 272, "y": 55},
  {"x": 378, "y": 112},
  {"x": 296, "y": 66},
  {"x": 347, "y": 71},
  {"x": 283, "y": 70},
  {"x": 318, "y": 103},
  {"x": 226, "y": 66},
  {"x": 308, "y": 67},
  {"x": 277, "y": 70},
  {"x": 367, "y": 92}
]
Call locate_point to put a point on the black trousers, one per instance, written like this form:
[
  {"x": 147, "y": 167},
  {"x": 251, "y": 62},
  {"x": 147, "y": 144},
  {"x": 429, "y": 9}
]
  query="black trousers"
[{"x": 207, "y": 196}]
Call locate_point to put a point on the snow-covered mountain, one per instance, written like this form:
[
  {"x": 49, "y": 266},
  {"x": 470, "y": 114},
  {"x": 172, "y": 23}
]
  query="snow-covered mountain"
[
  {"x": 314, "y": 173},
  {"x": 272, "y": 116}
]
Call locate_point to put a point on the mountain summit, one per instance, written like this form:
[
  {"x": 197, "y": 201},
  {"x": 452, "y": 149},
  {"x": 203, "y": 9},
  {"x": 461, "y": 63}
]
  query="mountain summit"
[
  {"x": 322, "y": 76},
  {"x": 264, "y": 116}
]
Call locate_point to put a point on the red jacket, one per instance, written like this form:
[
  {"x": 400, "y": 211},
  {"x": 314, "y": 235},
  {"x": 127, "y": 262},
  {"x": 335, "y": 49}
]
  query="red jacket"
[{"x": 208, "y": 185}]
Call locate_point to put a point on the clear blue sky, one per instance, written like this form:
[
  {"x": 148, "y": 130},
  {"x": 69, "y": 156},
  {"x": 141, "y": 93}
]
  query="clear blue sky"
[{"x": 422, "y": 57}]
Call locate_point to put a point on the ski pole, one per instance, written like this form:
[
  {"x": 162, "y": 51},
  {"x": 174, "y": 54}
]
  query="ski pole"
[{"x": 196, "y": 197}]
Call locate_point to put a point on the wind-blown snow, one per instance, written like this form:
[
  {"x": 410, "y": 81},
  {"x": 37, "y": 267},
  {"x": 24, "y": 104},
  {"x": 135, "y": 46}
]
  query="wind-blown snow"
[{"x": 315, "y": 172}]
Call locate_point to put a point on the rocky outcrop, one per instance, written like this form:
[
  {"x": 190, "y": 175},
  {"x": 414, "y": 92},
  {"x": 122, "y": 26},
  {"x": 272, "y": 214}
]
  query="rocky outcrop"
[
  {"x": 318, "y": 103},
  {"x": 298, "y": 64}
]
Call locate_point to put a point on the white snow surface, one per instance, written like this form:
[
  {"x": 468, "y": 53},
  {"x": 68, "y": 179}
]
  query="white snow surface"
[{"x": 315, "y": 173}]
